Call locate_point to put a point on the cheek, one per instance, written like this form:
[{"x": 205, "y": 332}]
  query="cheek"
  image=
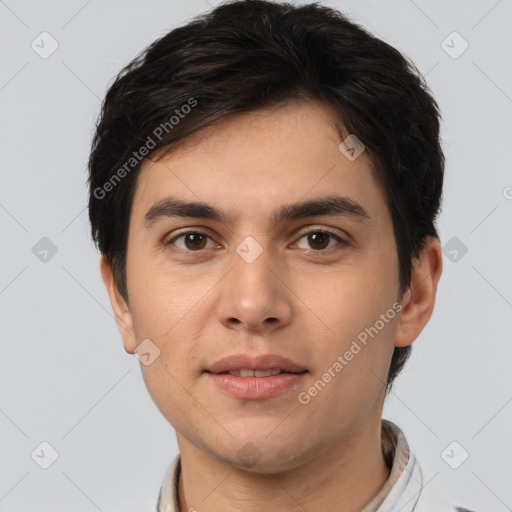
[
  {"x": 347, "y": 302},
  {"x": 161, "y": 296},
  {"x": 352, "y": 374},
  {"x": 166, "y": 313},
  {"x": 358, "y": 308},
  {"x": 169, "y": 391}
]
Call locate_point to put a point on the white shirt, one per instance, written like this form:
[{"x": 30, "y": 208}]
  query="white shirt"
[{"x": 403, "y": 491}]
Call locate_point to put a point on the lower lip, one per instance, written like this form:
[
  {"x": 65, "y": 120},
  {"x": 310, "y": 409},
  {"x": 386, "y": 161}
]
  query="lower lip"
[{"x": 256, "y": 388}]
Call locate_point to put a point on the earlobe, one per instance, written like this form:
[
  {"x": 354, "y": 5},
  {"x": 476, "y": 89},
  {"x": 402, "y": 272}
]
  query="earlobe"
[
  {"x": 122, "y": 313},
  {"x": 418, "y": 301}
]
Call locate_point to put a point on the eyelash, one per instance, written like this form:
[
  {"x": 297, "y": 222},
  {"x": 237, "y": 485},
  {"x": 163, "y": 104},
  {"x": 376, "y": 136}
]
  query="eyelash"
[{"x": 341, "y": 242}]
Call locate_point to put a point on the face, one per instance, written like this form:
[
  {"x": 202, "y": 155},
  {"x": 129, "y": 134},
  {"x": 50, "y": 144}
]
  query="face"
[{"x": 318, "y": 288}]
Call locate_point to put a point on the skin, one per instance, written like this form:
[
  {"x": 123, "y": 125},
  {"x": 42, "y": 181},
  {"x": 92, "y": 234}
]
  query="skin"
[{"x": 325, "y": 455}]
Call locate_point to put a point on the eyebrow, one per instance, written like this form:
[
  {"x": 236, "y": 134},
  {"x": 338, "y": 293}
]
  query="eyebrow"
[{"x": 171, "y": 207}]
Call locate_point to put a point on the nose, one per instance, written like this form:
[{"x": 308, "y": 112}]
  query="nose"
[{"x": 254, "y": 295}]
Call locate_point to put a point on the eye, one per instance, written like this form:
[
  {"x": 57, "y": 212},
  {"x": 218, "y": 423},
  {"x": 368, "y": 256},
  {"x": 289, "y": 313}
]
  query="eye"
[
  {"x": 320, "y": 240},
  {"x": 193, "y": 241}
]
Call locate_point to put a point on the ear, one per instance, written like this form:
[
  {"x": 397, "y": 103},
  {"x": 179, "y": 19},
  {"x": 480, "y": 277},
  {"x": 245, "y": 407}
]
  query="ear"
[
  {"x": 418, "y": 301},
  {"x": 122, "y": 314}
]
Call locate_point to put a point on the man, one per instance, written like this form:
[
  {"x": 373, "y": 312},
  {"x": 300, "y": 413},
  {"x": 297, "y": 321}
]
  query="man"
[{"x": 264, "y": 183}]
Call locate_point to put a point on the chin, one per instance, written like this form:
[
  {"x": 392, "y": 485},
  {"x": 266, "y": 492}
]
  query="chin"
[{"x": 263, "y": 453}]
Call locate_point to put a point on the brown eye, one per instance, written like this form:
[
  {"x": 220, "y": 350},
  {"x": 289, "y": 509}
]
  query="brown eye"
[
  {"x": 195, "y": 241},
  {"x": 190, "y": 241},
  {"x": 318, "y": 240},
  {"x": 321, "y": 240}
]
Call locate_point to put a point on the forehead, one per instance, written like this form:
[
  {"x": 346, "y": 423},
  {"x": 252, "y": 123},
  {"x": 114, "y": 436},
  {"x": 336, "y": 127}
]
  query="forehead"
[{"x": 256, "y": 161}]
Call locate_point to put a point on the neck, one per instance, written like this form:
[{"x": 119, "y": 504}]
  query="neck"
[{"x": 344, "y": 477}]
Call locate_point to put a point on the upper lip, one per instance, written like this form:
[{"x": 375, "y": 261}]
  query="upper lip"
[{"x": 246, "y": 362}]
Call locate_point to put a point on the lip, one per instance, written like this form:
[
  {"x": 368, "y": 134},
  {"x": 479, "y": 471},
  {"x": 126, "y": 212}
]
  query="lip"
[
  {"x": 255, "y": 388},
  {"x": 265, "y": 362}
]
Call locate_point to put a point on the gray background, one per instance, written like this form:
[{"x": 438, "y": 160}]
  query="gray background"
[{"x": 64, "y": 375}]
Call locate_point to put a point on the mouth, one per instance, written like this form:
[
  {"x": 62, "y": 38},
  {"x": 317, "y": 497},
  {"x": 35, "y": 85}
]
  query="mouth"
[
  {"x": 244, "y": 365},
  {"x": 255, "y": 378},
  {"x": 244, "y": 373}
]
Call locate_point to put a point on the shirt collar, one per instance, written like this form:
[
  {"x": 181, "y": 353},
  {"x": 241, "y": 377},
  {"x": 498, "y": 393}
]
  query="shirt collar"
[{"x": 401, "y": 491}]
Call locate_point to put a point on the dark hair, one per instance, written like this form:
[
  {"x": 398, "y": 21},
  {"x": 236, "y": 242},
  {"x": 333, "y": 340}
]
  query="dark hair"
[{"x": 249, "y": 54}]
